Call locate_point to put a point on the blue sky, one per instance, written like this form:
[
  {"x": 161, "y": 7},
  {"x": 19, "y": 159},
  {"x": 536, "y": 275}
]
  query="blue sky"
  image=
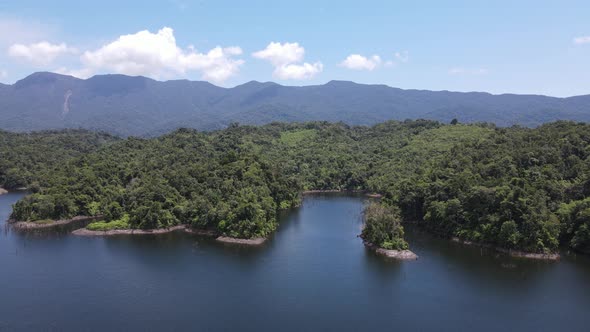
[{"x": 540, "y": 47}]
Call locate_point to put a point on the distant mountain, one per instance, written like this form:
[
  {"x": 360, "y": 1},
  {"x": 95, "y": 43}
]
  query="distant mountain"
[{"x": 140, "y": 106}]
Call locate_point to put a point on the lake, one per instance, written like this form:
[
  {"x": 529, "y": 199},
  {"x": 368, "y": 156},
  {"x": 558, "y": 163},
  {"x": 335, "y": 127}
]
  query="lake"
[{"x": 314, "y": 274}]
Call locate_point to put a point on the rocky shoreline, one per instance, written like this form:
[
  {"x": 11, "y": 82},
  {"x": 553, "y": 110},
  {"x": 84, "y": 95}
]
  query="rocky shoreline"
[
  {"x": 3, "y": 191},
  {"x": 113, "y": 232},
  {"x": 87, "y": 232},
  {"x": 201, "y": 232},
  {"x": 513, "y": 253},
  {"x": 405, "y": 255},
  {"x": 30, "y": 225},
  {"x": 250, "y": 242}
]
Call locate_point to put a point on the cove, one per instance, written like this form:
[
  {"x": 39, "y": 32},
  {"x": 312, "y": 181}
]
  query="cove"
[{"x": 314, "y": 273}]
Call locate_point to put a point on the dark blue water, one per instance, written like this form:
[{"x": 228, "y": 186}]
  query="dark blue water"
[{"x": 314, "y": 274}]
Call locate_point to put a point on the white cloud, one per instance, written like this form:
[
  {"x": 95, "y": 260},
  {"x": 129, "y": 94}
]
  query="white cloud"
[
  {"x": 79, "y": 73},
  {"x": 298, "y": 72},
  {"x": 286, "y": 59},
  {"x": 582, "y": 40},
  {"x": 157, "y": 55},
  {"x": 281, "y": 54},
  {"x": 3, "y": 74},
  {"x": 41, "y": 53},
  {"x": 359, "y": 62},
  {"x": 467, "y": 71}
]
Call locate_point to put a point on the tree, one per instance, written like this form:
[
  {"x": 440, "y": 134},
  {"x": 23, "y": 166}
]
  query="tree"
[{"x": 383, "y": 227}]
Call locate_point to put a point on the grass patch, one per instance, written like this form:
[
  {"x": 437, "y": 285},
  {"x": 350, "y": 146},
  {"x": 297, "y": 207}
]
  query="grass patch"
[
  {"x": 43, "y": 221},
  {"x": 122, "y": 223},
  {"x": 293, "y": 138}
]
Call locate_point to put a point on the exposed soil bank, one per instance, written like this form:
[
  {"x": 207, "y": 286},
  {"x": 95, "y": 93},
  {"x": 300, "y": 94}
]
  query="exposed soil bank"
[
  {"x": 251, "y": 242},
  {"x": 405, "y": 255},
  {"x": 31, "y": 225},
  {"x": 513, "y": 253},
  {"x": 87, "y": 232}
]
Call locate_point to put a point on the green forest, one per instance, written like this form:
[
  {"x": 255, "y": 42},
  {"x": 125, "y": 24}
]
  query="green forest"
[{"x": 516, "y": 188}]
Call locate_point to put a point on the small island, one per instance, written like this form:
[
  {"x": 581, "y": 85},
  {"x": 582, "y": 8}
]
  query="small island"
[{"x": 384, "y": 233}]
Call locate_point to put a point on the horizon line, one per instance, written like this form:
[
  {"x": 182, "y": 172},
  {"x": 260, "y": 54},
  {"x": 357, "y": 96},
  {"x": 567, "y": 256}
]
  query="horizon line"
[{"x": 293, "y": 86}]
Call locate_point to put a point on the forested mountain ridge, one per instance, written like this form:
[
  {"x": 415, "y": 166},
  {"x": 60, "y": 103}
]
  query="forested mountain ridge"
[
  {"x": 139, "y": 106},
  {"x": 516, "y": 188}
]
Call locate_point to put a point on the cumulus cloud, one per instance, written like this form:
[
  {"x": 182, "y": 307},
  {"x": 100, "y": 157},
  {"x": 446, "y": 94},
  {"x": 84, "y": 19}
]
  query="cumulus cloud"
[
  {"x": 281, "y": 54},
  {"x": 286, "y": 59},
  {"x": 298, "y": 72},
  {"x": 467, "y": 71},
  {"x": 41, "y": 53},
  {"x": 359, "y": 62},
  {"x": 582, "y": 40},
  {"x": 157, "y": 55}
]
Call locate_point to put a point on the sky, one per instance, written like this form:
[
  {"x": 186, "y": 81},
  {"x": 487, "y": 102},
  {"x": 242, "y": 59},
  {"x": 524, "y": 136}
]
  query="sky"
[{"x": 525, "y": 47}]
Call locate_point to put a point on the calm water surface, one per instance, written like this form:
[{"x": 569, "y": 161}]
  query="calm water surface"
[{"x": 314, "y": 274}]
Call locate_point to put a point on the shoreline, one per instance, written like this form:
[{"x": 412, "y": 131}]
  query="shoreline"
[
  {"x": 510, "y": 252},
  {"x": 3, "y": 191},
  {"x": 403, "y": 255},
  {"x": 30, "y": 225},
  {"x": 250, "y": 242},
  {"x": 83, "y": 231},
  {"x": 200, "y": 232},
  {"x": 397, "y": 254},
  {"x": 87, "y": 232},
  {"x": 153, "y": 231},
  {"x": 336, "y": 191}
]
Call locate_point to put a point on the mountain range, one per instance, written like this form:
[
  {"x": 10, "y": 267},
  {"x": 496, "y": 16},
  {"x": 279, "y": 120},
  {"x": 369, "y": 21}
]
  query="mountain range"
[{"x": 140, "y": 106}]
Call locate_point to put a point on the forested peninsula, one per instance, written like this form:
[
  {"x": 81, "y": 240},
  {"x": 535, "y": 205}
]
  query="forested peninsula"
[{"x": 513, "y": 188}]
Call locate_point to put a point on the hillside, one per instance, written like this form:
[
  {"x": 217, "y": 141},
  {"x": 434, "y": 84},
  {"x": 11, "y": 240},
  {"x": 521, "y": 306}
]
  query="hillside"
[
  {"x": 515, "y": 188},
  {"x": 140, "y": 106}
]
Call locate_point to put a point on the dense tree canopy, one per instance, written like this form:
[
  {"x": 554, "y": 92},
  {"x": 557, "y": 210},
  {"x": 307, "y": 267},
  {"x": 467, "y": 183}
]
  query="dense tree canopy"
[
  {"x": 383, "y": 227},
  {"x": 515, "y": 187},
  {"x": 27, "y": 159}
]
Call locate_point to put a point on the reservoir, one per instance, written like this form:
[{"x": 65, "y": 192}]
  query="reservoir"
[{"x": 314, "y": 274}]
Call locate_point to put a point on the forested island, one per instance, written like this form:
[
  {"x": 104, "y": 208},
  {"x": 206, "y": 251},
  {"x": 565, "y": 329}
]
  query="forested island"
[{"x": 513, "y": 188}]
